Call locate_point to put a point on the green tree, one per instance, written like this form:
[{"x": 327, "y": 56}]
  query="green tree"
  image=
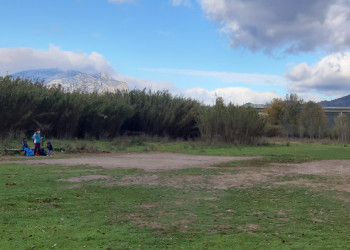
[
  {"x": 275, "y": 113},
  {"x": 230, "y": 123},
  {"x": 291, "y": 118},
  {"x": 341, "y": 127},
  {"x": 313, "y": 119}
]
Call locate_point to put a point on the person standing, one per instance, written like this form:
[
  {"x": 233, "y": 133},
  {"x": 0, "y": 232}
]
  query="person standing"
[{"x": 36, "y": 139}]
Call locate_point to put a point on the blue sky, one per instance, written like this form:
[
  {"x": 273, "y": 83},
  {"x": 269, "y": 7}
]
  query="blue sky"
[{"x": 244, "y": 51}]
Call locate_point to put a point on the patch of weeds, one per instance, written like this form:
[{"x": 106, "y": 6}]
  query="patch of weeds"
[
  {"x": 82, "y": 145},
  {"x": 265, "y": 143},
  {"x": 197, "y": 171},
  {"x": 314, "y": 178},
  {"x": 67, "y": 146},
  {"x": 266, "y": 161}
]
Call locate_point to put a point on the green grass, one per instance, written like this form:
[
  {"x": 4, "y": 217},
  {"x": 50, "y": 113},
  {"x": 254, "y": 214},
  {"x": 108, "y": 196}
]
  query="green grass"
[
  {"x": 314, "y": 151},
  {"x": 299, "y": 151},
  {"x": 39, "y": 212}
]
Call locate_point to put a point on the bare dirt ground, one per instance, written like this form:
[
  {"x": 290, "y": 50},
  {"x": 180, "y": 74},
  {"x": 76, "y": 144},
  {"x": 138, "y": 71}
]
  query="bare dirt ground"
[
  {"x": 322, "y": 175},
  {"x": 145, "y": 161}
]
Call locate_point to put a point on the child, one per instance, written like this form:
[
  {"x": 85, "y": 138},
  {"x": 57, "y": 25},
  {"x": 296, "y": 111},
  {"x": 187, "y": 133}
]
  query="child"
[
  {"x": 36, "y": 139},
  {"x": 24, "y": 143},
  {"x": 26, "y": 149},
  {"x": 49, "y": 148}
]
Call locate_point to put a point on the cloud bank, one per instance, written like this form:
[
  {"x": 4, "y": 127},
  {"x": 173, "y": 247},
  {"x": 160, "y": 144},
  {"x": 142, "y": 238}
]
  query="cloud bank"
[
  {"x": 330, "y": 76},
  {"x": 236, "y": 95},
  {"x": 293, "y": 25},
  {"x": 135, "y": 83},
  {"x": 20, "y": 59},
  {"x": 231, "y": 77}
]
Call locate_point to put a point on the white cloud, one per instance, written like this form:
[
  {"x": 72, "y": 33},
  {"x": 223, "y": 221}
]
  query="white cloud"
[
  {"x": 19, "y": 59},
  {"x": 293, "y": 25},
  {"x": 135, "y": 83},
  {"x": 230, "y": 77},
  {"x": 177, "y": 3},
  {"x": 330, "y": 76},
  {"x": 310, "y": 97},
  {"x": 236, "y": 95}
]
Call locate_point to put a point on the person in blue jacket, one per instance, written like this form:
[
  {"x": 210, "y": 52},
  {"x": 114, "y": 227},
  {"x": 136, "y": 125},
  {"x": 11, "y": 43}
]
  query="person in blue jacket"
[
  {"x": 36, "y": 139},
  {"x": 26, "y": 149}
]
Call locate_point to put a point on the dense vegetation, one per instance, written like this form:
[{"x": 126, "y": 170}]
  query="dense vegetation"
[
  {"x": 26, "y": 106},
  {"x": 293, "y": 117},
  {"x": 230, "y": 123}
]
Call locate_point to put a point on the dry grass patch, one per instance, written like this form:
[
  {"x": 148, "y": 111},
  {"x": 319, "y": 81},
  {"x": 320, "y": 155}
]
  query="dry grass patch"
[{"x": 85, "y": 178}]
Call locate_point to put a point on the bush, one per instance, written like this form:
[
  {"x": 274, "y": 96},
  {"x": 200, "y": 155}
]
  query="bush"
[{"x": 230, "y": 124}]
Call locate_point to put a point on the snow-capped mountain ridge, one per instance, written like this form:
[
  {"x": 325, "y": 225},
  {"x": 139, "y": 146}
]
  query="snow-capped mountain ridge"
[{"x": 74, "y": 80}]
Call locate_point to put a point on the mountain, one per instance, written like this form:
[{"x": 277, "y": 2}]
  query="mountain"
[
  {"x": 74, "y": 80},
  {"x": 340, "y": 102}
]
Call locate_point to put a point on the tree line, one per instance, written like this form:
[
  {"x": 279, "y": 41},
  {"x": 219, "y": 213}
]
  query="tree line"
[
  {"x": 26, "y": 106},
  {"x": 292, "y": 117}
]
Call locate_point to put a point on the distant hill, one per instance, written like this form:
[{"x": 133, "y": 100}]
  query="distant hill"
[
  {"x": 73, "y": 80},
  {"x": 340, "y": 102}
]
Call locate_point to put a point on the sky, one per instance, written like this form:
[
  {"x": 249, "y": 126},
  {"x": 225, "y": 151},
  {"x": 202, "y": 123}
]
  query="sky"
[{"x": 241, "y": 50}]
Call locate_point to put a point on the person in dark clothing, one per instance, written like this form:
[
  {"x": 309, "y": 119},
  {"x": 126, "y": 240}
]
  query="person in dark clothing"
[
  {"x": 26, "y": 149},
  {"x": 49, "y": 148},
  {"x": 24, "y": 144}
]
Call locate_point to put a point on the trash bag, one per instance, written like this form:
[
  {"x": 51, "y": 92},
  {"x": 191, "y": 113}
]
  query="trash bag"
[
  {"x": 28, "y": 151},
  {"x": 42, "y": 152}
]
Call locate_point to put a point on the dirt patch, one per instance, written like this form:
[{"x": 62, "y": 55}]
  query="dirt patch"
[
  {"x": 249, "y": 228},
  {"x": 128, "y": 180},
  {"x": 344, "y": 188},
  {"x": 330, "y": 174},
  {"x": 334, "y": 175},
  {"x": 299, "y": 182},
  {"x": 337, "y": 177},
  {"x": 281, "y": 213},
  {"x": 146, "y": 161},
  {"x": 329, "y": 167},
  {"x": 211, "y": 199},
  {"x": 228, "y": 180},
  {"x": 151, "y": 224},
  {"x": 149, "y": 205},
  {"x": 183, "y": 225},
  {"x": 76, "y": 171},
  {"x": 316, "y": 220},
  {"x": 85, "y": 151},
  {"x": 75, "y": 186},
  {"x": 157, "y": 180},
  {"x": 85, "y": 178}
]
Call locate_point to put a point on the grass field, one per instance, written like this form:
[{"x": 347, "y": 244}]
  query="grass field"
[{"x": 177, "y": 209}]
